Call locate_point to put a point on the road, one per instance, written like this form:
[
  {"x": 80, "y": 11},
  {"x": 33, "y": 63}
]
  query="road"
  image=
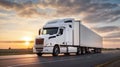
[{"x": 31, "y": 60}]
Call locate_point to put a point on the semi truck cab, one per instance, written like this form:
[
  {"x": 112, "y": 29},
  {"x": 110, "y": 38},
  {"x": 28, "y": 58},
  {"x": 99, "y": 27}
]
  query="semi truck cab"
[{"x": 54, "y": 37}]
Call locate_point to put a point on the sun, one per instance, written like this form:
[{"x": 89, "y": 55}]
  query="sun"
[{"x": 27, "y": 40}]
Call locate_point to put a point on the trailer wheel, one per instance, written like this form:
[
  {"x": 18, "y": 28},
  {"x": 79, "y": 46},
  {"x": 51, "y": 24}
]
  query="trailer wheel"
[
  {"x": 95, "y": 50},
  {"x": 99, "y": 50},
  {"x": 39, "y": 54},
  {"x": 78, "y": 51},
  {"x": 56, "y": 51},
  {"x": 83, "y": 50}
]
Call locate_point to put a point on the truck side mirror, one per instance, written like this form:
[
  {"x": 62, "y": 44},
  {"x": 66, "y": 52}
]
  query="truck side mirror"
[
  {"x": 39, "y": 31},
  {"x": 61, "y": 31}
]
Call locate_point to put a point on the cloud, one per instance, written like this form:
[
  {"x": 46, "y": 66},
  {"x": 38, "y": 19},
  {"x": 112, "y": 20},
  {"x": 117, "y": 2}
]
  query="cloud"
[
  {"x": 92, "y": 11},
  {"x": 106, "y": 29},
  {"x": 25, "y": 9},
  {"x": 10, "y": 5},
  {"x": 113, "y": 35},
  {"x": 114, "y": 18},
  {"x": 112, "y": 40},
  {"x": 29, "y": 12}
]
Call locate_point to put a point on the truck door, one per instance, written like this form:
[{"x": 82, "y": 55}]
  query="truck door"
[
  {"x": 61, "y": 39},
  {"x": 61, "y": 36}
]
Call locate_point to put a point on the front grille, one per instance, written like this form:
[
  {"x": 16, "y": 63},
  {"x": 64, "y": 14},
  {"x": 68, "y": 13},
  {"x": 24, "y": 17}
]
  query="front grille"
[{"x": 39, "y": 41}]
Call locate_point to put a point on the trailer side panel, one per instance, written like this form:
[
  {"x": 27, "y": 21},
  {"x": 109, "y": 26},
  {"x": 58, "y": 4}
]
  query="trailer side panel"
[{"x": 88, "y": 38}]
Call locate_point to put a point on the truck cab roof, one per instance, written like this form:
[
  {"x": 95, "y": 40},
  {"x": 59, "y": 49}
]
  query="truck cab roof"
[{"x": 59, "y": 22}]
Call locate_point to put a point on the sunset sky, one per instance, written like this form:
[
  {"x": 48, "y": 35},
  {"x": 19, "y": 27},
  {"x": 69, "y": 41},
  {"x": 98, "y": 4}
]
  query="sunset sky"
[{"x": 20, "y": 20}]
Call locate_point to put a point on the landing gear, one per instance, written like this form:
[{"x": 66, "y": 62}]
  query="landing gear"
[{"x": 56, "y": 51}]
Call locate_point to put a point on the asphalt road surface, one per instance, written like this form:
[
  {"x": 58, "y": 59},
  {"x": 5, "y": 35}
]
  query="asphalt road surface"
[{"x": 31, "y": 60}]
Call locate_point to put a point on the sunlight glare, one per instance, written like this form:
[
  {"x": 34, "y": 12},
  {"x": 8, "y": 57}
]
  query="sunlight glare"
[
  {"x": 27, "y": 40},
  {"x": 27, "y": 43}
]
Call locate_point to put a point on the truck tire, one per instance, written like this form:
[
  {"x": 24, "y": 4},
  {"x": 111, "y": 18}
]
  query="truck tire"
[
  {"x": 39, "y": 54},
  {"x": 95, "y": 50},
  {"x": 56, "y": 51},
  {"x": 99, "y": 50},
  {"x": 87, "y": 50},
  {"x": 83, "y": 50},
  {"x": 78, "y": 51}
]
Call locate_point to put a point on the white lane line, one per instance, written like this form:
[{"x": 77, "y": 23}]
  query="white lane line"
[{"x": 44, "y": 62}]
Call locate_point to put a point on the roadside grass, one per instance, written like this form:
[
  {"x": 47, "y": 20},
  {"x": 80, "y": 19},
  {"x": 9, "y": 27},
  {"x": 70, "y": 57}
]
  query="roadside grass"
[{"x": 15, "y": 51}]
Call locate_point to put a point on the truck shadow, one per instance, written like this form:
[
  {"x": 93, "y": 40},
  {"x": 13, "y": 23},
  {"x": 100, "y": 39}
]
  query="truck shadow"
[{"x": 62, "y": 55}]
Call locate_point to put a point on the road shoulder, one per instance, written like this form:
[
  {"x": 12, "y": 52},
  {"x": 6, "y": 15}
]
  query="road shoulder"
[{"x": 113, "y": 63}]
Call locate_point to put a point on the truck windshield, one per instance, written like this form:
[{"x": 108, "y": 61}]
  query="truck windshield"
[{"x": 50, "y": 31}]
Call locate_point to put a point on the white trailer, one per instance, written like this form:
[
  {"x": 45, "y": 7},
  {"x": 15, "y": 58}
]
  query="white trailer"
[{"x": 66, "y": 36}]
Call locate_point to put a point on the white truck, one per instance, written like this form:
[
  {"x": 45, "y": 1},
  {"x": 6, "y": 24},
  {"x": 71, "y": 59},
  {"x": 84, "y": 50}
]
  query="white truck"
[{"x": 66, "y": 36}]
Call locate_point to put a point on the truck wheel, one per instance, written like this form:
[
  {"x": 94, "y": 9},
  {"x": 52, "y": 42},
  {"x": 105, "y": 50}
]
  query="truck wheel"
[
  {"x": 78, "y": 51},
  {"x": 83, "y": 50},
  {"x": 95, "y": 50},
  {"x": 87, "y": 50},
  {"x": 56, "y": 51},
  {"x": 99, "y": 50},
  {"x": 39, "y": 54}
]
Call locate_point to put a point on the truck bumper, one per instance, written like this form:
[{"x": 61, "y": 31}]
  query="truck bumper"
[{"x": 45, "y": 49}]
